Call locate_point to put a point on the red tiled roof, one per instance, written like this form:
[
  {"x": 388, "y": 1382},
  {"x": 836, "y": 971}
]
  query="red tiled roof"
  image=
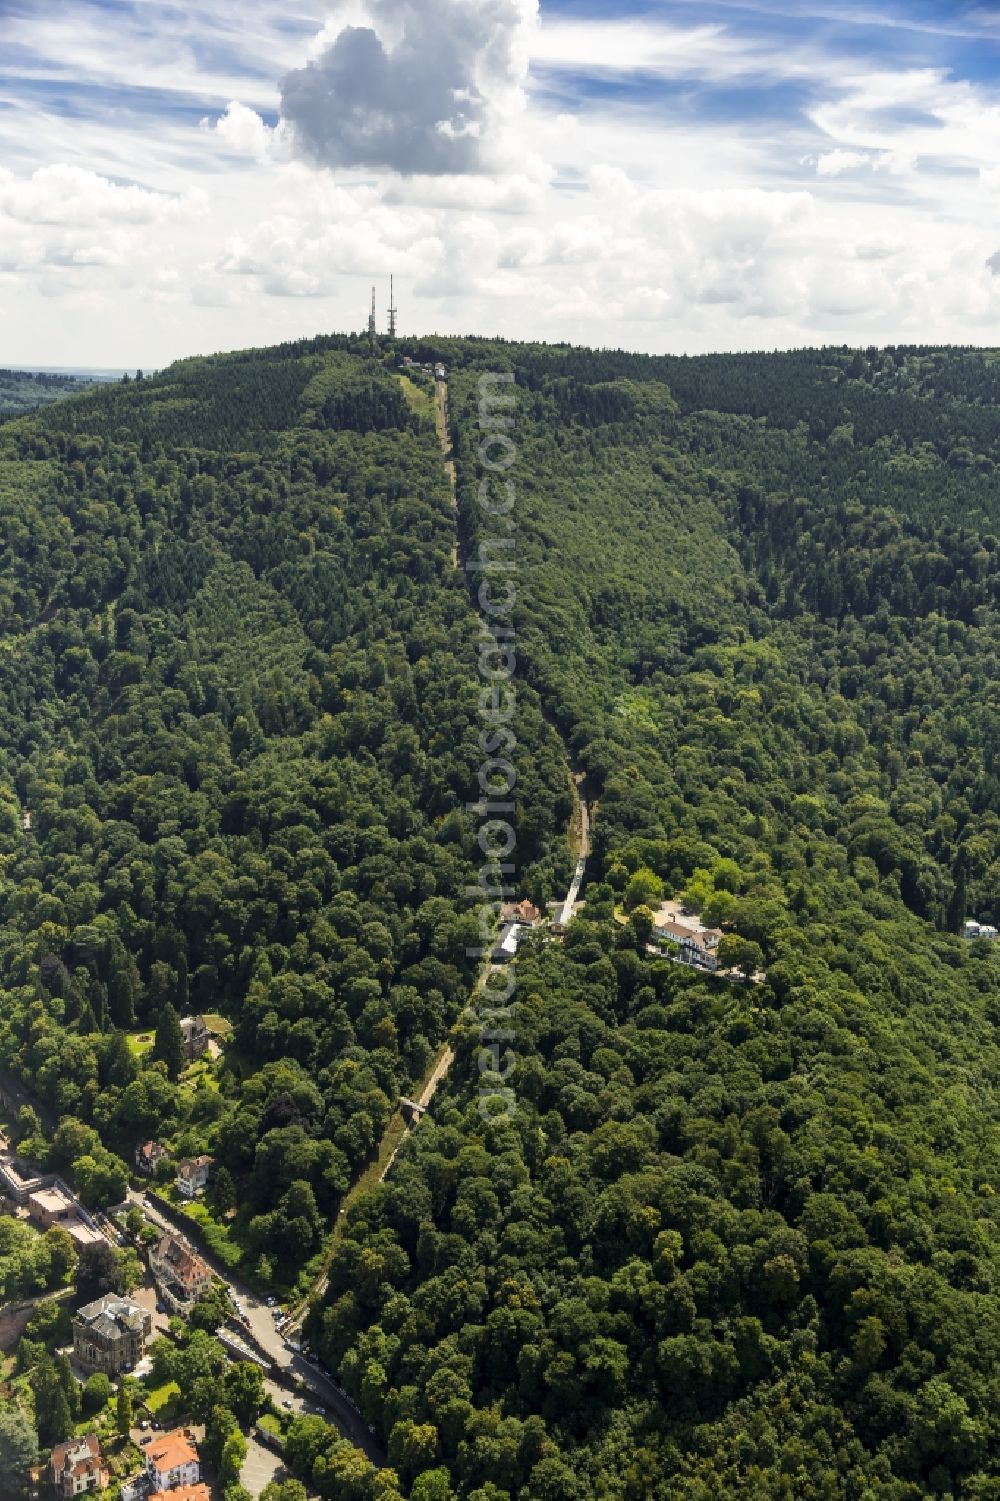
[{"x": 173, "y": 1450}]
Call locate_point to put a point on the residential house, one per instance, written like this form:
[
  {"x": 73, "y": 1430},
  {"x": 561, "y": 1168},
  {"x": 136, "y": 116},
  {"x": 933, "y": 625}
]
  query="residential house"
[
  {"x": 77, "y": 1466},
  {"x": 196, "y": 1037},
  {"x": 524, "y": 912},
  {"x": 109, "y": 1335},
  {"x": 172, "y": 1461},
  {"x": 148, "y": 1156},
  {"x": 180, "y": 1275},
  {"x": 191, "y": 1493},
  {"x": 192, "y": 1175},
  {"x": 696, "y": 946},
  {"x": 980, "y": 930}
]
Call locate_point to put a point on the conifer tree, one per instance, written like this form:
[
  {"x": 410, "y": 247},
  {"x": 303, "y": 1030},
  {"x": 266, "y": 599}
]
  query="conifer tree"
[{"x": 168, "y": 1044}]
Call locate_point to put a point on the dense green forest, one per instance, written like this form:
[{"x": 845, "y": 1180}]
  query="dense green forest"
[
  {"x": 735, "y": 1239},
  {"x": 22, "y": 391},
  {"x": 237, "y": 694}
]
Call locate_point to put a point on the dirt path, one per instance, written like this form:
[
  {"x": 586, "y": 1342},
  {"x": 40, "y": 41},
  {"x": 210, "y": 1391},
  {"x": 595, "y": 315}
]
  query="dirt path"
[
  {"x": 441, "y": 418},
  {"x": 400, "y": 1126},
  {"x": 396, "y": 1133}
]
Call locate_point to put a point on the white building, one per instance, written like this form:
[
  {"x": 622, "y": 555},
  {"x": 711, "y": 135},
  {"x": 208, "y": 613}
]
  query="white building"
[
  {"x": 172, "y": 1461},
  {"x": 506, "y": 948},
  {"x": 696, "y": 945},
  {"x": 192, "y": 1175}
]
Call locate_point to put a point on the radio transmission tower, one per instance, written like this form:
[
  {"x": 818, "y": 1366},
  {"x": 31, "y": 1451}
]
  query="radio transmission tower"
[
  {"x": 372, "y": 330},
  {"x": 392, "y": 312}
]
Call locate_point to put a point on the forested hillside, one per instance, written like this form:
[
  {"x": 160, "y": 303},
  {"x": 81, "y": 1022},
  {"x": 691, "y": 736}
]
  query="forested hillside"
[
  {"x": 735, "y": 1239},
  {"x": 22, "y": 391},
  {"x": 237, "y": 699}
]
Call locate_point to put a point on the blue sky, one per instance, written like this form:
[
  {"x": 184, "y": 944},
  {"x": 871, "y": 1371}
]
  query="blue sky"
[{"x": 693, "y": 174}]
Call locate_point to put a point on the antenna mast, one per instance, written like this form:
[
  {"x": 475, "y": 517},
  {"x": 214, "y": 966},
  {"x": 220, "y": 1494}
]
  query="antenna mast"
[
  {"x": 372, "y": 330},
  {"x": 392, "y": 312}
]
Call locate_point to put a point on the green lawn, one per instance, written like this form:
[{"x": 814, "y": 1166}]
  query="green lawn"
[
  {"x": 418, "y": 401},
  {"x": 220, "y": 1241},
  {"x": 201, "y": 1072},
  {"x": 159, "y": 1397}
]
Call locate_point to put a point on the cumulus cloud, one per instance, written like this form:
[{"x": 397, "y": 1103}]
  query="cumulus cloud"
[
  {"x": 63, "y": 194},
  {"x": 304, "y": 249},
  {"x": 75, "y": 232},
  {"x": 414, "y": 87},
  {"x": 242, "y": 132}
]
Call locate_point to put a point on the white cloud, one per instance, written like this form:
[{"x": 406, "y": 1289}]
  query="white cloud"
[
  {"x": 633, "y": 46},
  {"x": 833, "y": 163},
  {"x": 173, "y": 49},
  {"x": 307, "y": 245},
  {"x": 68, "y": 232},
  {"x": 910, "y": 115},
  {"x": 545, "y": 212},
  {"x": 413, "y": 87},
  {"x": 64, "y": 194},
  {"x": 878, "y": 248},
  {"x": 242, "y": 132}
]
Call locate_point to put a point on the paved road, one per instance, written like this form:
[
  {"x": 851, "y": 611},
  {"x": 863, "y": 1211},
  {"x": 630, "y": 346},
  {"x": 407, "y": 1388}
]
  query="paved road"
[
  {"x": 290, "y": 1366},
  {"x": 573, "y": 894},
  {"x": 15, "y": 1096},
  {"x": 260, "y": 1467}
]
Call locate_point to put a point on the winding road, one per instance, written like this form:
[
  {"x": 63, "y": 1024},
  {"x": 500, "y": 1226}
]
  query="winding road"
[{"x": 289, "y": 1366}]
